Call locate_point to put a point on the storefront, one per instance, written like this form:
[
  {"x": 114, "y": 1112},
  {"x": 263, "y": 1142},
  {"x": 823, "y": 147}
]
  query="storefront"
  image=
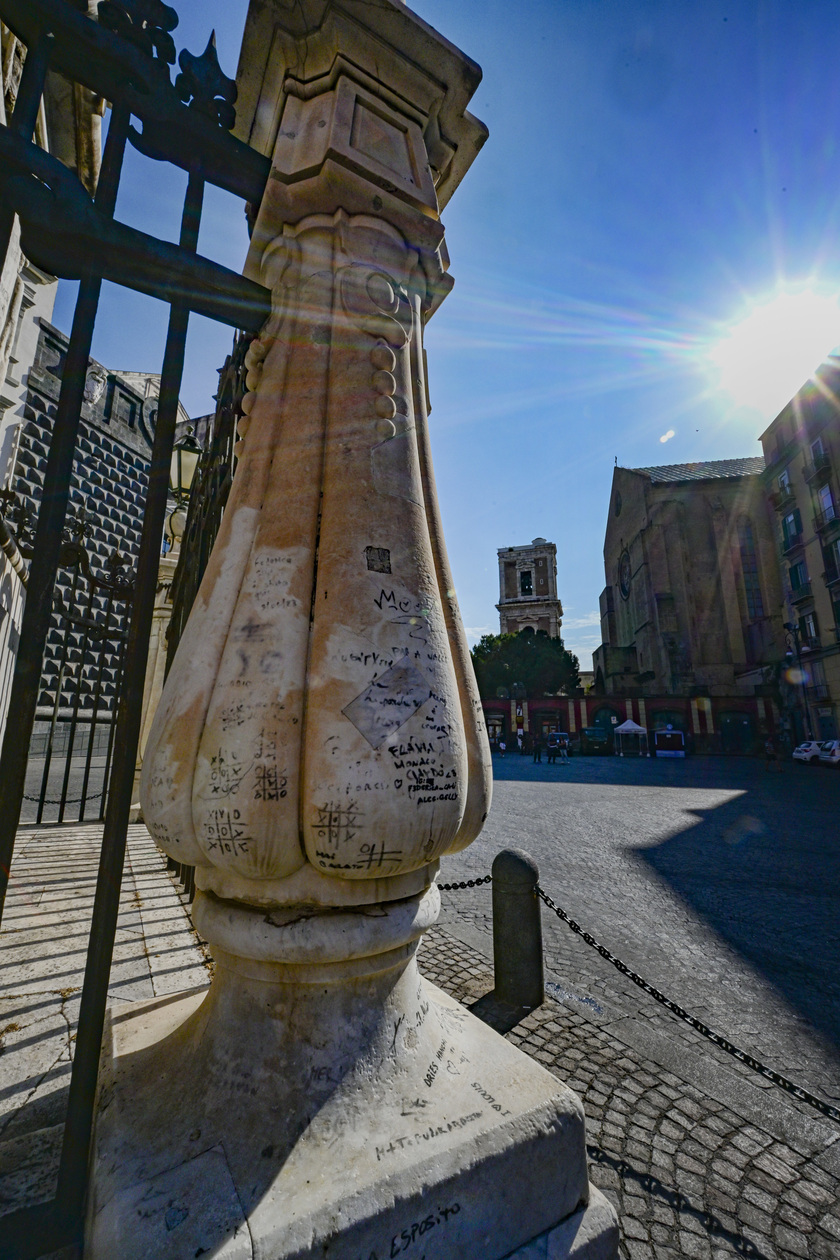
[{"x": 729, "y": 725}]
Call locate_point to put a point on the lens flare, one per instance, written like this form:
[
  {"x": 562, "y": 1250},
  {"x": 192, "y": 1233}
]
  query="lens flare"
[{"x": 769, "y": 355}]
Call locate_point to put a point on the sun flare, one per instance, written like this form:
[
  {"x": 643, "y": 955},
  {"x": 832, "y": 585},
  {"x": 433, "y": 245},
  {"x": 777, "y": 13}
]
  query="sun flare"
[{"x": 767, "y": 357}]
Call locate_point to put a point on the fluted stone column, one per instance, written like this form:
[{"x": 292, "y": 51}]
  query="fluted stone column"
[{"x": 319, "y": 743}]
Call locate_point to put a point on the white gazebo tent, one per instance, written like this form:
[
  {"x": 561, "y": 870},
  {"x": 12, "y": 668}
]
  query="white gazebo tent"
[{"x": 630, "y": 733}]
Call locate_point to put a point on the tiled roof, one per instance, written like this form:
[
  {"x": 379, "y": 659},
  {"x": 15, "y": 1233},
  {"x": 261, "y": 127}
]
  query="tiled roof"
[{"x": 706, "y": 469}]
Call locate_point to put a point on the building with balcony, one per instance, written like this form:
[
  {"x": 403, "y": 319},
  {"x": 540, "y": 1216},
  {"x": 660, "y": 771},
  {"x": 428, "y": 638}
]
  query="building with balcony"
[
  {"x": 802, "y": 478},
  {"x": 528, "y": 597},
  {"x": 693, "y": 601}
]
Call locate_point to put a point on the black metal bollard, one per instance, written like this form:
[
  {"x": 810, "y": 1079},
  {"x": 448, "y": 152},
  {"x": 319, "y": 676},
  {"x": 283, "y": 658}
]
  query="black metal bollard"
[{"x": 517, "y": 930}]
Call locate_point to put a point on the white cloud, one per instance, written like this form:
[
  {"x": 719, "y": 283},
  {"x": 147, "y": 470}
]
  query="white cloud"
[
  {"x": 474, "y": 633},
  {"x": 666, "y": 437},
  {"x": 580, "y": 623}
]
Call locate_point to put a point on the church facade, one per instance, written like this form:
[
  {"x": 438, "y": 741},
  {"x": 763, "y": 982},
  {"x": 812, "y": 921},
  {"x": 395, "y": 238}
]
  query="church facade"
[{"x": 693, "y": 600}]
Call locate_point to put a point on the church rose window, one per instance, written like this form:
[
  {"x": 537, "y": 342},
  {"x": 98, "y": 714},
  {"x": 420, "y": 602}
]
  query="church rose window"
[{"x": 624, "y": 574}]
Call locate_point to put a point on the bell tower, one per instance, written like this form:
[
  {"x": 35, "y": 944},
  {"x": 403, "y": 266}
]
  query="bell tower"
[{"x": 528, "y": 597}]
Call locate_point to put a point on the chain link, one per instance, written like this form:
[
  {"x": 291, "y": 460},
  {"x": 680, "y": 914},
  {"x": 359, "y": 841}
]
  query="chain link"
[
  {"x": 70, "y": 800},
  {"x": 466, "y": 883},
  {"x": 788, "y": 1086}
]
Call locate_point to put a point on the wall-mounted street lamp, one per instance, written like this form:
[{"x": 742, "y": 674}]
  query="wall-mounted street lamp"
[
  {"x": 794, "y": 646},
  {"x": 185, "y": 456}
]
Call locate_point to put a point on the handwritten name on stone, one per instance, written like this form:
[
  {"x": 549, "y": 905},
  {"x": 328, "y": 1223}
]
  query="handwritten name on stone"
[
  {"x": 407, "y": 1237},
  {"x": 434, "y": 1131}
]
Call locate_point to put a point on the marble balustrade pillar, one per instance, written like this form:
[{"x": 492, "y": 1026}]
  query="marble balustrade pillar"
[{"x": 319, "y": 743}]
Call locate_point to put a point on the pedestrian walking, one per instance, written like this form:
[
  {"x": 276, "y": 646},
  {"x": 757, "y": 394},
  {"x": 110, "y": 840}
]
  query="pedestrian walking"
[
  {"x": 771, "y": 759},
  {"x": 502, "y": 748},
  {"x": 537, "y": 750},
  {"x": 564, "y": 752}
]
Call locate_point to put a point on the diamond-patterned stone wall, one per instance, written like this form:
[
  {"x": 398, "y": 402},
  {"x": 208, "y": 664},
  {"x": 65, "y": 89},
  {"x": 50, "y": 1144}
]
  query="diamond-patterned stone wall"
[{"x": 109, "y": 484}]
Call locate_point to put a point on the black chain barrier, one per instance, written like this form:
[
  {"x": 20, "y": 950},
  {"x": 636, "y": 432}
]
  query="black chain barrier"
[
  {"x": 796, "y": 1091},
  {"x": 70, "y": 800},
  {"x": 466, "y": 883},
  {"x": 788, "y": 1086}
]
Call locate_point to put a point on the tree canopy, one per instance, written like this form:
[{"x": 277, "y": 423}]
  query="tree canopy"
[{"x": 541, "y": 664}]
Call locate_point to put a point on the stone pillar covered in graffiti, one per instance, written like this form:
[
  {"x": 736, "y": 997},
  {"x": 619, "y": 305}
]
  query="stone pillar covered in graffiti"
[{"x": 319, "y": 744}]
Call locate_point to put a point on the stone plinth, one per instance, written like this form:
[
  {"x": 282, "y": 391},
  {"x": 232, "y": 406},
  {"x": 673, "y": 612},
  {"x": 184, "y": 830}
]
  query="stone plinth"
[
  {"x": 320, "y": 744},
  {"x": 353, "y": 1109}
]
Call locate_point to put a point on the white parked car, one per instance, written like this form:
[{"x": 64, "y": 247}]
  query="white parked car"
[
  {"x": 830, "y": 752},
  {"x": 809, "y": 751}
]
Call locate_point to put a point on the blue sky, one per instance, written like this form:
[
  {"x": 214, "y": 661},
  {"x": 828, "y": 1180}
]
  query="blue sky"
[{"x": 655, "y": 169}]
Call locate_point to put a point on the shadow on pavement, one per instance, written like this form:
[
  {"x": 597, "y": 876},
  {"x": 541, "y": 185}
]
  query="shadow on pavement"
[
  {"x": 499, "y": 1015},
  {"x": 762, "y": 868}
]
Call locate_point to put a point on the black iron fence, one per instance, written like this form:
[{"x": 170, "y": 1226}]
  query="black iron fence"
[{"x": 125, "y": 58}]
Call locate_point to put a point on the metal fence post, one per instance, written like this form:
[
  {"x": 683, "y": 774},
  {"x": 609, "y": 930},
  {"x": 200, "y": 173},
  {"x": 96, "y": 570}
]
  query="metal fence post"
[{"x": 517, "y": 930}]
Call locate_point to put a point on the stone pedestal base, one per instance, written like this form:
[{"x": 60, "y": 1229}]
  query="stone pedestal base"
[
  {"x": 368, "y": 1119},
  {"x": 590, "y": 1234}
]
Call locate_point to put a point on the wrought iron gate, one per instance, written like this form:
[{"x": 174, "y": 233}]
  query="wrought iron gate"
[
  {"x": 207, "y": 503},
  {"x": 72, "y": 744},
  {"x": 209, "y": 494},
  {"x": 124, "y": 58}
]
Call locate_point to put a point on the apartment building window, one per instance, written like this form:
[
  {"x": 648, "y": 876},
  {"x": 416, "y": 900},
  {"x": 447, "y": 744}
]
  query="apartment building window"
[
  {"x": 817, "y": 449},
  {"x": 809, "y": 630},
  {"x": 831, "y": 555},
  {"x": 526, "y": 582},
  {"x": 791, "y": 527},
  {"x": 798, "y": 574},
  {"x": 784, "y": 480},
  {"x": 749, "y": 569},
  {"x": 825, "y": 503}
]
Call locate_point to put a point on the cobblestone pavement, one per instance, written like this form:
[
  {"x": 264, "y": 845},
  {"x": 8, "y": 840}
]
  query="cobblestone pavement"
[
  {"x": 699, "y": 1160},
  {"x": 717, "y": 881},
  {"x": 692, "y": 1172}
]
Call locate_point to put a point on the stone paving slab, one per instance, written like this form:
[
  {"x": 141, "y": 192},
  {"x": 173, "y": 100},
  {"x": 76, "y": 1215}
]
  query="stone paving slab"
[{"x": 43, "y": 943}]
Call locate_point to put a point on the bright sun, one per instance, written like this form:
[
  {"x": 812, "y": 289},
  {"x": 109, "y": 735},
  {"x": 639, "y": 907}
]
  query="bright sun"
[{"x": 766, "y": 358}]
